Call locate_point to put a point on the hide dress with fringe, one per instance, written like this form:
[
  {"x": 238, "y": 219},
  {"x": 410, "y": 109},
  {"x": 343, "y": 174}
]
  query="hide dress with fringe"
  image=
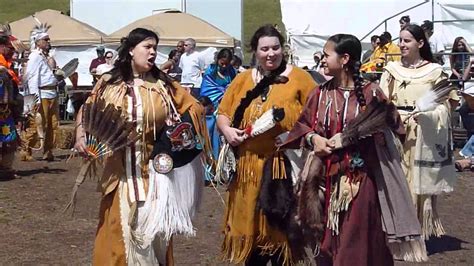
[
  {"x": 140, "y": 208},
  {"x": 368, "y": 214},
  {"x": 427, "y": 152},
  {"x": 246, "y": 229}
]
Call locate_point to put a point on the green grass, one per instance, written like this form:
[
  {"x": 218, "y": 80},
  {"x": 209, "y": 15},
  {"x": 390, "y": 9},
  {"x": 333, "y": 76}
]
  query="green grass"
[
  {"x": 12, "y": 10},
  {"x": 258, "y": 13},
  {"x": 255, "y": 14}
]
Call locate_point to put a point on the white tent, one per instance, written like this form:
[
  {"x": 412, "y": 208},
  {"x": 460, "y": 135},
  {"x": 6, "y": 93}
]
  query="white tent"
[
  {"x": 310, "y": 22},
  {"x": 70, "y": 39},
  {"x": 173, "y": 26}
]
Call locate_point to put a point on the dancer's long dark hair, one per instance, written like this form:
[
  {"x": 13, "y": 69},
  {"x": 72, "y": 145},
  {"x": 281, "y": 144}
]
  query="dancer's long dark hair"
[
  {"x": 419, "y": 35},
  {"x": 122, "y": 70},
  {"x": 349, "y": 44}
]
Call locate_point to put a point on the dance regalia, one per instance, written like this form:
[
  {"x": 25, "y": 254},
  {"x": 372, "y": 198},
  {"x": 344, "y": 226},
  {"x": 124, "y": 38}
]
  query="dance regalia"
[
  {"x": 141, "y": 209},
  {"x": 428, "y": 154},
  {"x": 247, "y": 229},
  {"x": 213, "y": 86},
  {"x": 368, "y": 213},
  {"x": 10, "y": 112}
]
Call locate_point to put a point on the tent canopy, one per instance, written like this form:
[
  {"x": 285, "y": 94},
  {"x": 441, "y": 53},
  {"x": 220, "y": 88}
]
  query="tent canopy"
[
  {"x": 308, "y": 35},
  {"x": 175, "y": 26},
  {"x": 64, "y": 31}
]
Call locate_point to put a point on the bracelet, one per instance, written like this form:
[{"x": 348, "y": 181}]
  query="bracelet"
[{"x": 309, "y": 138}]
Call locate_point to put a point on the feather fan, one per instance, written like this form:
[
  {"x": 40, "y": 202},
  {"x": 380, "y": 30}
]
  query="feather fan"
[
  {"x": 106, "y": 129},
  {"x": 433, "y": 97},
  {"x": 265, "y": 122},
  {"x": 374, "y": 119},
  {"x": 70, "y": 67},
  {"x": 226, "y": 163}
]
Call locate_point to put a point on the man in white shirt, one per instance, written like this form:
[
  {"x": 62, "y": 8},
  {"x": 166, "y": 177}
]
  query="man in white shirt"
[
  {"x": 435, "y": 40},
  {"x": 42, "y": 82},
  {"x": 192, "y": 65}
]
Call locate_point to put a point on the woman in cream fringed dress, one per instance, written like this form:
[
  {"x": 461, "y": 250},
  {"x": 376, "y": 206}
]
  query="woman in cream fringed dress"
[{"x": 427, "y": 150}]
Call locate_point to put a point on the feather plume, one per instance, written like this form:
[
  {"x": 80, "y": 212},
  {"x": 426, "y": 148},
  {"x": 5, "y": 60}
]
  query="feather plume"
[
  {"x": 38, "y": 32},
  {"x": 438, "y": 94},
  {"x": 30, "y": 103},
  {"x": 5, "y": 30},
  {"x": 433, "y": 97},
  {"x": 374, "y": 119},
  {"x": 265, "y": 122}
]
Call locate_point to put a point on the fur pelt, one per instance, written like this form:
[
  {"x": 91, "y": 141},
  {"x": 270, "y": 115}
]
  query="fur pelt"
[
  {"x": 276, "y": 198},
  {"x": 310, "y": 198},
  {"x": 296, "y": 211}
]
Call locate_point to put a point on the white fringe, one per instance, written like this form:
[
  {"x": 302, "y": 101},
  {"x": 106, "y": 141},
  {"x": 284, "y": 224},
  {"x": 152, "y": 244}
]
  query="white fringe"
[
  {"x": 171, "y": 203},
  {"x": 413, "y": 250},
  {"x": 135, "y": 255},
  {"x": 431, "y": 222}
]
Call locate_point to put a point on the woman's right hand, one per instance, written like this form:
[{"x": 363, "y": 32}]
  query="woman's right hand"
[
  {"x": 80, "y": 146},
  {"x": 321, "y": 145},
  {"x": 234, "y": 136}
]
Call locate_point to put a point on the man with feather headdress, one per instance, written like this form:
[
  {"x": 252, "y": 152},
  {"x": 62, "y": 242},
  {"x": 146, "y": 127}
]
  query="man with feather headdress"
[
  {"x": 42, "y": 81},
  {"x": 10, "y": 102}
]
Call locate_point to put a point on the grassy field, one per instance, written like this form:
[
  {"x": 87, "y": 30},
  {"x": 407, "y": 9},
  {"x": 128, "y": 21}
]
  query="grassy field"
[
  {"x": 256, "y": 14},
  {"x": 12, "y": 10}
]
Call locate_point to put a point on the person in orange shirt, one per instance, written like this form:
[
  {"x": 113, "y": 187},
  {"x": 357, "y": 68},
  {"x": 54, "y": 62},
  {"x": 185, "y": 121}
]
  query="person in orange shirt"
[
  {"x": 10, "y": 107},
  {"x": 385, "y": 47},
  {"x": 7, "y": 62}
]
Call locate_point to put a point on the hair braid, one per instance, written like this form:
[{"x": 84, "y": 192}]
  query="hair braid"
[
  {"x": 358, "y": 85},
  {"x": 260, "y": 88}
]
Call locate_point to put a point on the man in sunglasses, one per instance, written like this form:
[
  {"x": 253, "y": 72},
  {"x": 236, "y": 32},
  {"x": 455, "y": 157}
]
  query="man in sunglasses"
[
  {"x": 96, "y": 62},
  {"x": 42, "y": 82}
]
